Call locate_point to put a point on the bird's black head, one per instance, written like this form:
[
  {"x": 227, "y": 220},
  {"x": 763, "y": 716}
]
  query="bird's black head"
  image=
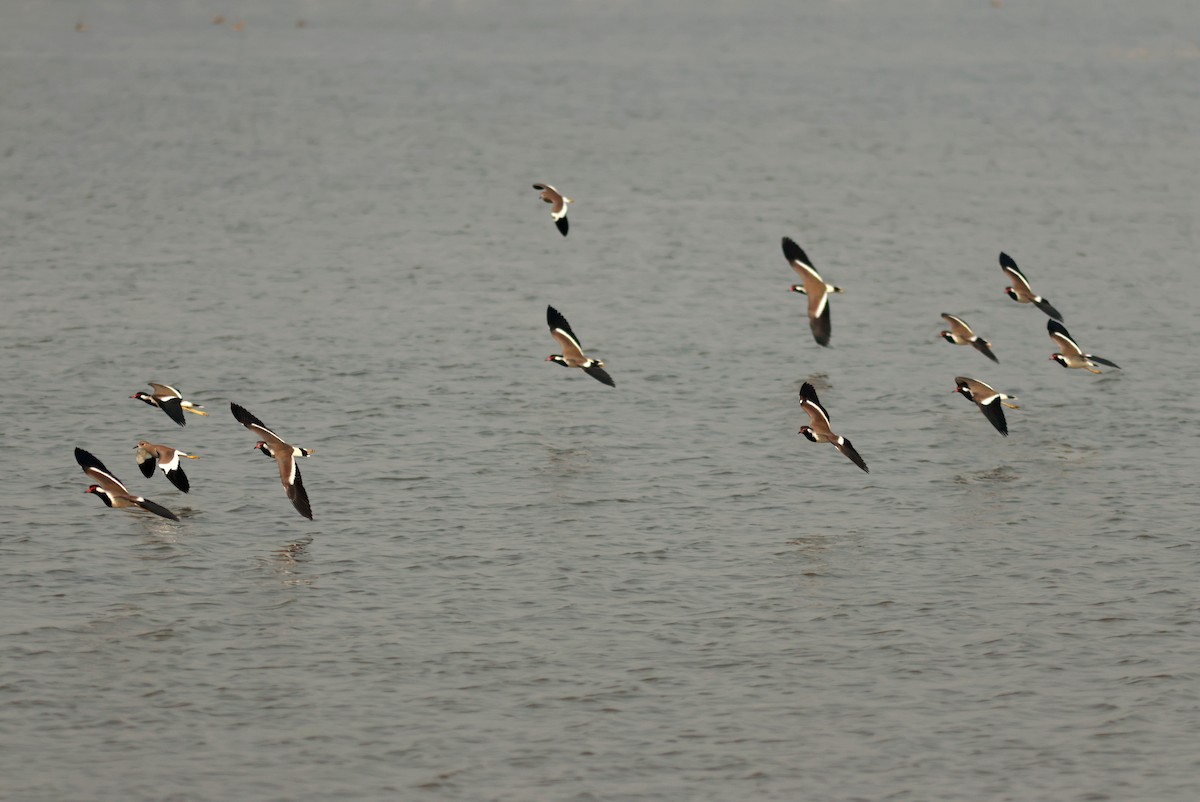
[
  {"x": 947, "y": 336},
  {"x": 1060, "y": 359},
  {"x": 1011, "y": 293},
  {"x": 100, "y": 492},
  {"x": 140, "y": 396},
  {"x": 807, "y": 432},
  {"x": 558, "y": 359},
  {"x": 965, "y": 390}
]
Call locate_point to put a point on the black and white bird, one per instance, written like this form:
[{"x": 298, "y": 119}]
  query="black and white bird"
[
  {"x": 111, "y": 491},
  {"x": 558, "y": 211},
  {"x": 283, "y": 453},
  {"x": 960, "y": 334},
  {"x": 1071, "y": 355},
  {"x": 989, "y": 401},
  {"x": 150, "y": 454},
  {"x": 572, "y": 355},
  {"x": 1020, "y": 291},
  {"x": 170, "y": 401},
  {"x": 815, "y": 287},
  {"x": 819, "y": 431}
]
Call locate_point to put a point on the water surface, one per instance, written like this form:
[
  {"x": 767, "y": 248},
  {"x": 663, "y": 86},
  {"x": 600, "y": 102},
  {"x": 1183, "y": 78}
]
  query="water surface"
[{"x": 520, "y": 584}]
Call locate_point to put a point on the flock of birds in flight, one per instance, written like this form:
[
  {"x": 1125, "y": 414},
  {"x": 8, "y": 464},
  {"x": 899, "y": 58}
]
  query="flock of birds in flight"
[
  {"x": 990, "y": 401},
  {"x": 165, "y": 397}
]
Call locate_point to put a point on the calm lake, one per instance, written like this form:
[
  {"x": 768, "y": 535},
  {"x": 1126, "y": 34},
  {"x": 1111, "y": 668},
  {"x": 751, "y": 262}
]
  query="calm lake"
[{"x": 521, "y": 584}]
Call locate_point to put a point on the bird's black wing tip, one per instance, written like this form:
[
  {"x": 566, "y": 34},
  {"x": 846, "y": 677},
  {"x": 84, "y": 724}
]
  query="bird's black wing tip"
[
  {"x": 822, "y": 327},
  {"x": 994, "y": 412},
  {"x": 87, "y": 459},
  {"x": 244, "y": 416},
  {"x": 299, "y": 496},
  {"x": 174, "y": 409},
  {"x": 1045, "y": 306},
  {"x": 180, "y": 480},
  {"x": 555, "y": 320},
  {"x": 793, "y": 252},
  {"x": 985, "y": 349},
  {"x": 850, "y": 451},
  {"x": 157, "y": 509},
  {"x": 302, "y": 507},
  {"x": 562, "y": 225},
  {"x": 600, "y": 375}
]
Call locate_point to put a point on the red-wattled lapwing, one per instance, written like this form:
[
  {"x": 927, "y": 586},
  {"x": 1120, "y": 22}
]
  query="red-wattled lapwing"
[
  {"x": 960, "y": 334},
  {"x": 1071, "y": 355},
  {"x": 284, "y": 454},
  {"x": 989, "y": 401},
  {"x": 167, "y": 458},
  {"x": 572, "y": 355},
  {"x": 111, "y": 491},
  {"x": 170, "y": 401},
  {"x": 814, "y": 287},
  {"x": 1020, "y": 291},
  {"x": 819, "y": 431},
  {"x": 558, "y": 212}
]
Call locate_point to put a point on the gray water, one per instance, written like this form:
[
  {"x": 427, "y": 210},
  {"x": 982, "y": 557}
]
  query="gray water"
[{"x": 521, "y": 584}]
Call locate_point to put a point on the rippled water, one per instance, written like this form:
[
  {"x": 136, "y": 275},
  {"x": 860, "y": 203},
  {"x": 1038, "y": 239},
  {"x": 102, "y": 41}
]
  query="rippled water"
[{"x": 520, "y": 584}]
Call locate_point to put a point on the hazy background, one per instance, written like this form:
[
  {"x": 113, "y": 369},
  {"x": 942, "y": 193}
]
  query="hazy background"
[{"x": 521, "y": 584}]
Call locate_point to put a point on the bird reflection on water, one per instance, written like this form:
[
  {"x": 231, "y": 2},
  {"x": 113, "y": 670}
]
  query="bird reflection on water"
[{"x": 288, "y": 563}]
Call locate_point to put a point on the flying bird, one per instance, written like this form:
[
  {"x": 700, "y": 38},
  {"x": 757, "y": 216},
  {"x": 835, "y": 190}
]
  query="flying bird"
[
  {"x": 819, "y": 431},
  {"x": 572, "y": 355},
  {"x": 814, "y": 287},
  {"x": 558, "y": 212},
  {"x": 989, "y": 401},
  {"x": 1071, "y": 355},
  {"x": 170, "y": 401},
  {"x": 283, "y": 453},
  {"x": 167, "y": 458},
  {"x": 960, "y": 334},
  {"x": 111, "y": 491},
  {"x": 1020, "y": 291}
]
